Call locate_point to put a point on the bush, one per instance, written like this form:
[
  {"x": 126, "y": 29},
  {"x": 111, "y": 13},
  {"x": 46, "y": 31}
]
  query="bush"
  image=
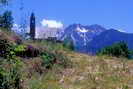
[
  {"x": 8, "y": 49},
  {"x": 4, "y": 2},
  {"x": 51, "y": 58},
  {"x": 5, "y": 48},
  {"x": 131, "y": 54},
  {"x": 68, "y": 43},
  {"x": 20, "y": 50},
  {"x": 6, "y": 20},
  {"x": 48, "y": 59},
  {"x": 117, "y": 50},
  {"x": 10, "y": 66},
  {"x": 10, "y": 74},
  {"x": 32, "y": 51},
  {"x": 62, "y": 59},
  {"x": 26, "y": 51}
]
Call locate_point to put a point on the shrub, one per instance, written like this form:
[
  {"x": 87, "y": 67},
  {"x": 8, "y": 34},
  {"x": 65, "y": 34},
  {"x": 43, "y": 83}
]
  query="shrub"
[
  {"x": 6, "y": 20},
  {"x": 5, "y": 48},
  {"x": 32, "y": 51},
  {"x": 10, "y": 74},
  {"x": 8, "y": 49},
  {"x": 20, "y": 50},
  {"x": 4, "y": 2},
  {"x": 26, "y": 51},
  {"x": 131, "y": 54},
  {"x": 62, "y": 59},
  {"x": 51, "y": 58},
  {"x": 117, "y": 50},
  {"x": 68, "y": 43},
  {"x": 48, "y": 59}
]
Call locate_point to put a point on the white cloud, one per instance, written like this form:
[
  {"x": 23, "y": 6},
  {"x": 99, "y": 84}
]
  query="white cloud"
[{"x": 51, "y": 23}]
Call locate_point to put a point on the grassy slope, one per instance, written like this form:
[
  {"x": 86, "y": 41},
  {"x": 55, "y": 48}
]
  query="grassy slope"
[
  {"x": 100, "y": 72},
  {"x": 88, "y": 73}
]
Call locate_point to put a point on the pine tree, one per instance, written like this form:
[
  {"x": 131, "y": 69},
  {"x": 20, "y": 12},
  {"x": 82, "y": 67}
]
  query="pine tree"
[
  {"x": 68, "y": 43},
  {"x": 32, "y": 26},
  {"x": 119, "y": 49},
  {"x": 6, "y": 20},
  {"x": 4, "y": 2}
]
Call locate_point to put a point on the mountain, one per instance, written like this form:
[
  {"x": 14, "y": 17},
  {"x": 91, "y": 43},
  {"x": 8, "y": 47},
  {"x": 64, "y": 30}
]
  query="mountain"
[
  {"x": 81, "y": 35},
  {"x": 108, "y": 38},
  {"x": 90, "y": 39}
]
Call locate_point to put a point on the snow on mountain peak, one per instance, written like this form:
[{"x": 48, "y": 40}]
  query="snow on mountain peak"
[{"x": 82, "y": 30}]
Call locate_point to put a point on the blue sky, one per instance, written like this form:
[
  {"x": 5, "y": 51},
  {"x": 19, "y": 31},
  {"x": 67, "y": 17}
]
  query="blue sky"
[{"x": 108, "y": 13}]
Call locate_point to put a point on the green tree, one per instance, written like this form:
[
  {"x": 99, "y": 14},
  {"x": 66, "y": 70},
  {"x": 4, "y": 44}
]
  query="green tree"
[
  {"x": 118, "y": 49},
  {"x": 3, "y": 2},
  {"x": 68, "y": 43},
  {"x": 131, "y": 54},
  {"x": 6, "y": 20}
]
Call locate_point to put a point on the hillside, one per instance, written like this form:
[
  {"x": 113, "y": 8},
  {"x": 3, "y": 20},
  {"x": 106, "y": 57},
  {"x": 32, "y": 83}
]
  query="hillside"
[
  {"x": 93, "y": 72},
  {"x": 88, "y": 73},
  {"x": 65, "y": 70}
]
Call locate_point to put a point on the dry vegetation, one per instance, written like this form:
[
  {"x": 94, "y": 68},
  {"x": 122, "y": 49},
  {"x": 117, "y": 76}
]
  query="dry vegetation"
[{"x": 87, "y": 72}]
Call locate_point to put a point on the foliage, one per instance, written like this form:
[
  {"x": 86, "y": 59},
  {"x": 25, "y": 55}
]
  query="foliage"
[
  {"x": 5, "y": 48},
  {"x": 8, "y": 50},
  {"x": 31, "y": 51},
  {"x": 26, "y": 51},
  {"x": 20, "y": 48},
  {"x": 48, "y": 59},
  {"x": 131, "y": 54},
  {"x": 4, "y": 2},
  {"x": 10, "y": 66},
  {"x": 51, "y": 58},
  {"x": 68, "y": 43},
  {"x": 118, "y": 50},
  {"x": 10, "y": 73},
  {"x": 6, "y": 20},
  {"x": 62, "y": 59}
]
